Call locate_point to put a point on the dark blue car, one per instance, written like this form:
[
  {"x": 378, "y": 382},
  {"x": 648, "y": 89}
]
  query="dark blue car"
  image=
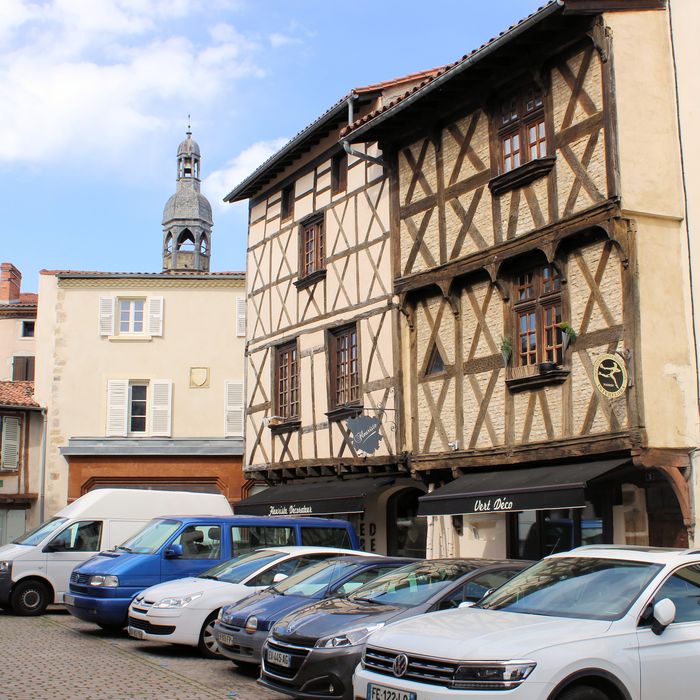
[{"x": 243, "y": 627}]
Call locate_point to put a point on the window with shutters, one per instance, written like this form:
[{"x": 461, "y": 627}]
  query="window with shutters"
[
  {"x": 10, "y": 436},
  {"x": 23, "y": 368},
  {"x": 130, "y": 318},
  {"x": 234, "y": 409},
  {"x": 240, "y": 317},
  {"x": 139, "y": 407}
]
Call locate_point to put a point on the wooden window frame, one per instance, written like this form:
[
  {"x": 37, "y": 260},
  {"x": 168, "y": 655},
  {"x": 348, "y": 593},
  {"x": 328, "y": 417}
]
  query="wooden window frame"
[
  {"x": 312, "y": 251},
  {"x": 532, "y": 297},
  {"x": 130, "y": 408},
  {"x": 287, "y": 202},
  {"x": 517, "y": 114},
  {"x": 344, "y": 386},
  {"x": 23, "y": 368},
  {"x": 287, "y": 400},
  {"x": 339, "y": 173},
  {"x": 131, "y": 320},
  {"x": 28, "y": 329}
]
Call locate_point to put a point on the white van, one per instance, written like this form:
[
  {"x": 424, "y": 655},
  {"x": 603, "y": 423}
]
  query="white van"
[{"x": 36, "y": 567}]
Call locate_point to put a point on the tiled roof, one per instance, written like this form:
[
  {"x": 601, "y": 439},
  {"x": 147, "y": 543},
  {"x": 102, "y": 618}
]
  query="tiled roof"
[
  {"x": 19, "y": 394},
  {"x": 28, "y": 298},
  {"x": 398, "y": 81},
  {"x": 164, "y": 275},
  {"x": 442, "y": 71}
]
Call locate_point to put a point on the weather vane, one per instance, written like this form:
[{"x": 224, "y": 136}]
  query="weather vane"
[{"x": 189, "y": 125}]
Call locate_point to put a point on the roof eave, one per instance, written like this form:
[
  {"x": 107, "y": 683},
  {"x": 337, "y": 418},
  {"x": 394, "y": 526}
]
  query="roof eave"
[{"x": 356, "y": 135}]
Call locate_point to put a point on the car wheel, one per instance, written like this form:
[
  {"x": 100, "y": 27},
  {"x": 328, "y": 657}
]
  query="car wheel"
[
  {"x": 583, "y": 692},
  {"x": 207, "y": 641},
  {"x": 29, "y": 598}
]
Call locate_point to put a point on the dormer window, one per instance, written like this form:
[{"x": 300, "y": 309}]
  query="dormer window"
[{"x": 522, "y": 130}]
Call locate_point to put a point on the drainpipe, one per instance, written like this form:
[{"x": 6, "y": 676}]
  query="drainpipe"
[
  {"x": 42, "y": 484},
  {"x": 346, "y": 144}
]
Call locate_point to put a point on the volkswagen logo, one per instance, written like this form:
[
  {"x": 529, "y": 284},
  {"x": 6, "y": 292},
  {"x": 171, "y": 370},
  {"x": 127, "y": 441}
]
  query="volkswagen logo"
[{"x": 400, "y": 665}]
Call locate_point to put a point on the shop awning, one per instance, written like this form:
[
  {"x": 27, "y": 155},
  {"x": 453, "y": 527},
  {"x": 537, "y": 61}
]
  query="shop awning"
[
  {"x": 314, "y": 497},
  {"x": 509, "y": 490}
]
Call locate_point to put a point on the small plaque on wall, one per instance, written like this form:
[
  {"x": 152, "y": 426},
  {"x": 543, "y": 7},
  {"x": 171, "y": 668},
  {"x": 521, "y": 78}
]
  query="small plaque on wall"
[
  {"x": 610, "y": 375},
  {"x": 199, "y": 377}
]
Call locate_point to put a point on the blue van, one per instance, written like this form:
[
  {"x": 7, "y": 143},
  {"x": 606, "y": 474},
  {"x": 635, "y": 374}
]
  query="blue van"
[{"x": 102, "y": 588}]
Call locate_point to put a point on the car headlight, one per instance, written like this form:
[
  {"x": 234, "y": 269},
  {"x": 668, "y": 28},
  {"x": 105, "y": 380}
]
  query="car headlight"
[
  {"x": 104, "y": 581},
  {"x": 497, "y": 675},
  {"x": 251, "y": 624},
  {"x": 180, "y": 602},
  {"x": 5, "y": 567},
  {"x": 350, "y": 638}
]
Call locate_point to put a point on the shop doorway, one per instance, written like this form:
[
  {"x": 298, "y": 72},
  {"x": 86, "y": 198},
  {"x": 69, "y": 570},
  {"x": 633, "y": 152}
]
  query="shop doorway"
[{"x": 406, "y": 532}]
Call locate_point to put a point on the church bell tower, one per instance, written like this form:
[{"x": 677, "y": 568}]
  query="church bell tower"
[{"x": 187, "y": 219}]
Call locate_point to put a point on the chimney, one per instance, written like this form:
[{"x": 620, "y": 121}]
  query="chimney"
[{"x": 10, "y": 283}]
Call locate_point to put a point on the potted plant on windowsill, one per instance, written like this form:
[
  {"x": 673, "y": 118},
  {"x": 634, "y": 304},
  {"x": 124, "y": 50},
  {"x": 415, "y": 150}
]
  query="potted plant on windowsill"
[
  {"x": 506, "y": 350},
  {"x": 568, "y": 335}
]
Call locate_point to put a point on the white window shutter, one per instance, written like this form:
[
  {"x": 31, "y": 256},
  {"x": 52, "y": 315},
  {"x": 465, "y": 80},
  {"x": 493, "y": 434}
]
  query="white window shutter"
[
  {"x": 235, "y": 411},
  {"x": 155, "y": 315},
  {"x": 9, "y": 458},
  {"x": 240, "y": 316},
  {"x": 161, "y": 396},
  {"x": 106, "y": 316},
  {"x": 117, "y": 407}
]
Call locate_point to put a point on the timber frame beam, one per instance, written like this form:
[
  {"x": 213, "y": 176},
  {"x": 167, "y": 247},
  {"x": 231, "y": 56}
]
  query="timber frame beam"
[{"x": 605, "y": 216}]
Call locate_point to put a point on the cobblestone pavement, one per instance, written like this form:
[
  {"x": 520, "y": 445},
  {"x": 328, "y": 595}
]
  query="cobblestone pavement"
[{"x": 59, "y": 657}]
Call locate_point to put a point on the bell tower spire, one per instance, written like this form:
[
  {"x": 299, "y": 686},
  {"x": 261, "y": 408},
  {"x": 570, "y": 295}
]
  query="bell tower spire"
[{"x": 187, "y": 218}]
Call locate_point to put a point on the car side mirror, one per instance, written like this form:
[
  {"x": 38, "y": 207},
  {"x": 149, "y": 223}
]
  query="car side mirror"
[
  {"x": 174, "y": 551},
  {"x": 278, "y": 578},
  {"x": 664, "y": 614}
]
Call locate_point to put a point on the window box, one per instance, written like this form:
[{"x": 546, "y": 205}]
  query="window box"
[
  {"x": 521, "y": 176},
  {"x": 310, "y": 279},
  {"x": 346, "y": 411},
  {"x": 532, "y": 377},
  {"x": 279, "y": 426}
]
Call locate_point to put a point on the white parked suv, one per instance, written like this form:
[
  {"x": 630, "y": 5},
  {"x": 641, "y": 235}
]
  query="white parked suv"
[{"x": 596, "y": 623}]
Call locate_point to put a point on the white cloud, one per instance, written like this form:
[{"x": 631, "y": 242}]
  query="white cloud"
[
  {"x": 277, "y": 40},
  {"x": 223, "y": 180},
  {"x": 94, "y": 81}
]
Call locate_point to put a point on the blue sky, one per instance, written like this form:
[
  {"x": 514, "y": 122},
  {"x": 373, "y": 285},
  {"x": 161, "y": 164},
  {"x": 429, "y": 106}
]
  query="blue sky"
[{"x": 96, "y": 93}]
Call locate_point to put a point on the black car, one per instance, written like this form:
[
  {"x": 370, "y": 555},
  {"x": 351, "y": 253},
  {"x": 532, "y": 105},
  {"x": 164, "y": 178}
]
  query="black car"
[{"x": 312, "y": 652}]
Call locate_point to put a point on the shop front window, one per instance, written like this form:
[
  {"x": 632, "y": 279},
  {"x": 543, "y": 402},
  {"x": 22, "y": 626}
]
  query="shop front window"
[
  {"x": 538, "y": 533},
  {"x": 406, "y": 532}
]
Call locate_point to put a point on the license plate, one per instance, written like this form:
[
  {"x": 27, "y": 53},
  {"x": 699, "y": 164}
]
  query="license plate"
[
  {"x": 136, "y": 632},
  {"x": 68, "y": 599},
  {"x": 382, "y": 692},
  {"x": 279, "y": 658},
  {"x": 225, "y": 639}
]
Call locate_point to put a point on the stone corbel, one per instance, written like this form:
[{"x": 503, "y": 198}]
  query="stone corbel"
[
  {"x": 492, "y": 270},
  {"x": 601, "y": 36}
]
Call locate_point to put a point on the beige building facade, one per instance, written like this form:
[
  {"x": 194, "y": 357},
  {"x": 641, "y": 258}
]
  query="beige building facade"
[
  {"x": 21, "y": 417},
  {"x": 548, "y": 358}
]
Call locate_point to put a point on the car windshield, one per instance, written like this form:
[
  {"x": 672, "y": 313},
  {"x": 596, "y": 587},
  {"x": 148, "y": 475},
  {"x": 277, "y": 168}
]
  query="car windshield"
[
  {"x": 413, "y": 584},
  {"x": 38, "y": 534},
  {"x": 241, "y": 567},
  {"x": 151, "y": 537},
  {"x": 578, "y": 587},
  {"x": 316, "y": 578}
]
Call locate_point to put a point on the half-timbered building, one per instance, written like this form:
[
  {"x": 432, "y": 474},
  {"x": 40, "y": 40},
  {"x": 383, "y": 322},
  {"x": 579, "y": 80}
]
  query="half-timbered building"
[
  {"x": 322, "y": 362},
  {"x": 540, "y": 260}
]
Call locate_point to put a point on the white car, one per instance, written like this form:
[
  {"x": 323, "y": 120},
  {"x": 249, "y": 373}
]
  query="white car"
[
  {"x": 597, "y": 623},
  {"x": 183, "y": 611}
]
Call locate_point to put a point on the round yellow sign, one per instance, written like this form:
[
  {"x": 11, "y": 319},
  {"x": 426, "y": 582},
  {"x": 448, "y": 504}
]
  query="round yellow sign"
[{"x": 610, "y": 375}]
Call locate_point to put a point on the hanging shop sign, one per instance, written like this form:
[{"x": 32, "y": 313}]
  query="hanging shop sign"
[
  {"x": 610, "y": 375},
  {"x": 365, "y": 433}
]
